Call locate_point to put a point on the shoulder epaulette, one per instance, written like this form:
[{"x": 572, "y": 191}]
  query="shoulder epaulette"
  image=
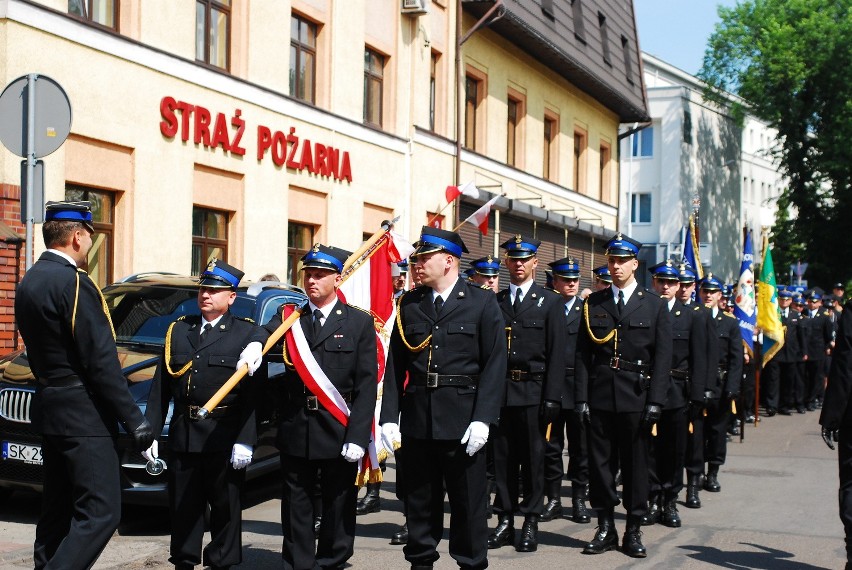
[
  {"x": 360, "y": 309},
  {"x": 727, "y": 314},
  {"x": 486, "y": 287},
  {"x": 181, "y": 318},
  {"x": 696, "y": 308},
  {"x": 246, "y": 319}
]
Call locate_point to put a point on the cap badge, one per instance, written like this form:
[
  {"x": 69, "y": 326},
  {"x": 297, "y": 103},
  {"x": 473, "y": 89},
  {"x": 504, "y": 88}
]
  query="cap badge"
[
  {"x": 316, "y": 248},
  {"x": 618, "y": 236},
  {"x": 518, "y": 239},
  {"x": 212, "y": 265},
  {"x": 489, "y": 259}
]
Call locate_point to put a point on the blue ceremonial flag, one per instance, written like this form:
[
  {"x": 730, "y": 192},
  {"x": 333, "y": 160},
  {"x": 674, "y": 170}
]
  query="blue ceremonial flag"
[
  {"x": 745, "y": 305},
  {"x": 690, "y": 250}
]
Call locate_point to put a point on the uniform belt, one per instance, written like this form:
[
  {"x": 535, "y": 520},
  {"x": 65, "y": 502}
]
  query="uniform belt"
[
  {"x": 524, "y": 376},
  {"x": 617, "y": 363},
  {"x": 433, "y": 380},
  {"x": 312, "y": 404},
  {"x": 191, "y": 411},
  {"x": 67, "y": 382},
  {"x": 682, "y": 374}
]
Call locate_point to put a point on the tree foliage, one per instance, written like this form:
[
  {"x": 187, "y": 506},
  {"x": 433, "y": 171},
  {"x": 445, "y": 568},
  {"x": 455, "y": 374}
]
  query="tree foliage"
[{"x": 791, "y": 63}]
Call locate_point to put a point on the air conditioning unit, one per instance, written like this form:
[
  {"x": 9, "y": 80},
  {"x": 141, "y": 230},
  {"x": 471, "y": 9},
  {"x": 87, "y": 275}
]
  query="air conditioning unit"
[{"x": 415, "y": 7}]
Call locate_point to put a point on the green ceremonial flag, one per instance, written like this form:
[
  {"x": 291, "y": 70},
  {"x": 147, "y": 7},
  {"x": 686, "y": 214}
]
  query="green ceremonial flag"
[{"x": 768, "y": 313}]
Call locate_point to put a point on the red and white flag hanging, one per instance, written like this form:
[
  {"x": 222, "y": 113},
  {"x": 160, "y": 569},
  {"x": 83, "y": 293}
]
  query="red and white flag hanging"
[
  {"x": 480, "y": 217},
  {"x": 467, "y": 189}
]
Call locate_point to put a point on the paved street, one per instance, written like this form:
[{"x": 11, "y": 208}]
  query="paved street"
[{"x": 777, "y": 510}]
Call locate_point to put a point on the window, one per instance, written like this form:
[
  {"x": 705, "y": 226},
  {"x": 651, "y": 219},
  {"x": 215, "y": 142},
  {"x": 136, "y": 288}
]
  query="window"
[
  {"x": 549, "y": 152},
  {"x": 303, "y": 59},
  {"x": 640, "y": 209},
  {"x": 433, "y": 74},
  {"x": 435, "y": 220},
  {"x": 604, "y": 38},
  {"x": 101, "y": 12},
  {"x": 213, "y": 32},
  {"x": 99, "y": 261},
  {"x": 577, "y": 13},
  {"x": 300, "y": 238},
  {"x": 643, "y": 142},
  {"x": 374, "y": 64},
  {"x": 604, "y": 172},
  {"x": 515, "y": 110},
  {"x": 628, "y": 59},
  {"x": 209, "y": 237},
  {"x": 579, "y": 162},
  {"x": 472, "y": 97}
]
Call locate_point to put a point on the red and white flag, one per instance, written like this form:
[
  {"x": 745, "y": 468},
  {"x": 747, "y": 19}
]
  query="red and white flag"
[
  {"x": 480, "y": 217},
  {"x": 371, "y": 289},
  {"x": 467, "y": 189}
]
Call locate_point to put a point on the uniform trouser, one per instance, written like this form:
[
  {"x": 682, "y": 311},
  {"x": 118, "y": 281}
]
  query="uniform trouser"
[
  {"x": 668, "y": 453},
  {"x": 695, "y": 446},
  {"x": 81, "y": 501},
  {"x": 745, "y": 405},
  {"x": 791, "y": 385},
  {"x": 429, "y": 467},
  {"x": 196, "y": 480},
  {"x": 618, "y": 437},
  {"x": 568, "y": 426},
  {"x": 814, "y": 380},
  {"x": 519, "y": 447},
  {"x": 844, "y": 458},
  {"x": 716, "y": 430},
  {"x": 770, "y": 383},
  {"x": 336, "y": 541}
]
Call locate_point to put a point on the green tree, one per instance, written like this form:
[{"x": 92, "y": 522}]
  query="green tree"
[{"x": 791, "y": 63}]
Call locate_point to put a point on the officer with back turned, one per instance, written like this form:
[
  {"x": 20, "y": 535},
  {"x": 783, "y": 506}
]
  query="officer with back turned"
[
  {"x": 567, "y": 426},
  {"x": 81, "y": 393},
  {"x": 535, "y": 326},
  {"x": 622, "y": 376},
  {"x": 449, "y": 343}
]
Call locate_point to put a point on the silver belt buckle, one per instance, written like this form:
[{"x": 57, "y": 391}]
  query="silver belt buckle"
[
  {"x": 312, "y": 404},
  {"x": 431, "y": 379},
  {"x": 614, "y": 362}
]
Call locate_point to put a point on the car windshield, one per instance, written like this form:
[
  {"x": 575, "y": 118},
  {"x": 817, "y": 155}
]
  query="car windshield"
[{"x": 141, "y": 314}]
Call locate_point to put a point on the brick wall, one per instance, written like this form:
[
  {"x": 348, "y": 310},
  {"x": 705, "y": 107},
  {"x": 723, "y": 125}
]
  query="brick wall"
[{"x": 11, "y": 266}]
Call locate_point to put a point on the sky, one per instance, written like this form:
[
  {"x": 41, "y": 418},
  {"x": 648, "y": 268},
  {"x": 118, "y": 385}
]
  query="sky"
[{"x": 676, "y": 31}]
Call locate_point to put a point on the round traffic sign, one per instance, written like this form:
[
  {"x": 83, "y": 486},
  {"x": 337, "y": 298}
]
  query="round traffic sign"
[{"x": 52, "y": 115}]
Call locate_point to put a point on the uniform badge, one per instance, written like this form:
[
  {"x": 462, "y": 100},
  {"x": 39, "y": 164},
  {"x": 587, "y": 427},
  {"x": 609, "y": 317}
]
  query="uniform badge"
[
  {"x": 489, "y": 259},
  {"x": 338, "y": 312},
  {"x": 316, "y": 248},
  {"x": 518, "y": 239},
  {"x": 222, "y": 327},
  {"x": 677, "y": 313},
  {"x": 212, "y": 265},
  {"x": 540, "y": 301},
  {"x": 461, "y": 293}
]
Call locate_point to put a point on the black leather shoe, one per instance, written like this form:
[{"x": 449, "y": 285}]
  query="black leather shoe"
[
  {"x": 632, "y": 544},
  {"x": 711, "y": 483},
  {"x": 606, "y": 538},
  {"x": 800, "y": 410},
  {"x": 504, "y": 534},
  {"x": 369, "y": 503},
  {"x": 692, "y": 499},
  {"x": 770, "y": 412},
  {"x": 580, "y": 514},
  {"x": 529, "y": 535},
  {"x": 552, "y": 510},
  {"x": 421, "y": 567},
  {"x": 811, "y": 407},
  {"x": 401, "y": 535},
  {"x": 749, "y": 419},
  {"x": 652, "y": 517},
  {"x": 785, "y": 411},
  {"x": 670, "y": 517}
]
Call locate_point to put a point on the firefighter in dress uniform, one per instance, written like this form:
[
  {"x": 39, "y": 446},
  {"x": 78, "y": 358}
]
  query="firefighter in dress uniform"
[
  {"x": 622, "y": 377},
  {"x": 81, "y": 393},
  {"x": 449, "y": 342},
  {"x": 208, "y": 456}
]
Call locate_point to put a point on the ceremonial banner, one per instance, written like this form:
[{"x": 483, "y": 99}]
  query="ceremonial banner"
[
  {"x": 691, "y": 250},
  {"x": 768, "y": 313},
  {"x": 745, "y": 308}
]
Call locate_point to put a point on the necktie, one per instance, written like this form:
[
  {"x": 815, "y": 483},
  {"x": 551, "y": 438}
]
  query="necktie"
[
  {"x": 204, "y": 330},
  {"x": 317, "y": 323},
  {"x": 620, "y": 305},
  {"x": 439, "y": 304},
  {"x": 517, "y": 304}
]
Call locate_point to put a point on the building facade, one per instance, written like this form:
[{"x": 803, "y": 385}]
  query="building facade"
[
  {"x": 247, "y": 130},
  {"x": 694, "y": 157}
]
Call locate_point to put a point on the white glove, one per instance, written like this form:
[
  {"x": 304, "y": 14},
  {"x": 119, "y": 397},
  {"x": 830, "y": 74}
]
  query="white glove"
[
  {"x": 152, "y": 452},
  {"x": 352, "y": 452},
  {"x": 391, "y": 437},
  {"x": 251, "y": 356},
  {"x": 241, "y": 455},
  {"x": 475, "y": 437}
]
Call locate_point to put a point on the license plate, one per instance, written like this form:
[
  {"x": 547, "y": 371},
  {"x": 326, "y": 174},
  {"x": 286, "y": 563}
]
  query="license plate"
[{"x": 22, "y": 452}]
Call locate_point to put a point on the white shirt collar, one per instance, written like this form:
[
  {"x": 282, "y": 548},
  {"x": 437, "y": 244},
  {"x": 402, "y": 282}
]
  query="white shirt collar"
[
  {"x": 326, "y": 311},
  {"x": 671, "y": 303},
  {"x": 525, "y": 288},
  {"x": 211, "y": 323},
  {"x": 569, "y": 304},
  {"x": 715, "y": 312},
  {"x": 445, "y": 294},
  {"x": 628, "y": 291},
  {"x": 63, "y": 255}
]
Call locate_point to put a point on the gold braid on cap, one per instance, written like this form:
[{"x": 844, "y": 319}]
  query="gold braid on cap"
[
  {"x": 168, "y": 353},
  {"x": 399, "y": 327},
  {"x": 77, "y": 297},
  {"x": 612, "y": 334}
]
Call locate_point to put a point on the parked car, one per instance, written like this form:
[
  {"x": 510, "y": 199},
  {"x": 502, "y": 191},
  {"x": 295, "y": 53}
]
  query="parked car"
[{"x": 141, "y": 307}]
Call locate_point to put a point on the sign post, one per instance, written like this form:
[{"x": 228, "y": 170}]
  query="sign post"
[{"x": 35, "y": 119}]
